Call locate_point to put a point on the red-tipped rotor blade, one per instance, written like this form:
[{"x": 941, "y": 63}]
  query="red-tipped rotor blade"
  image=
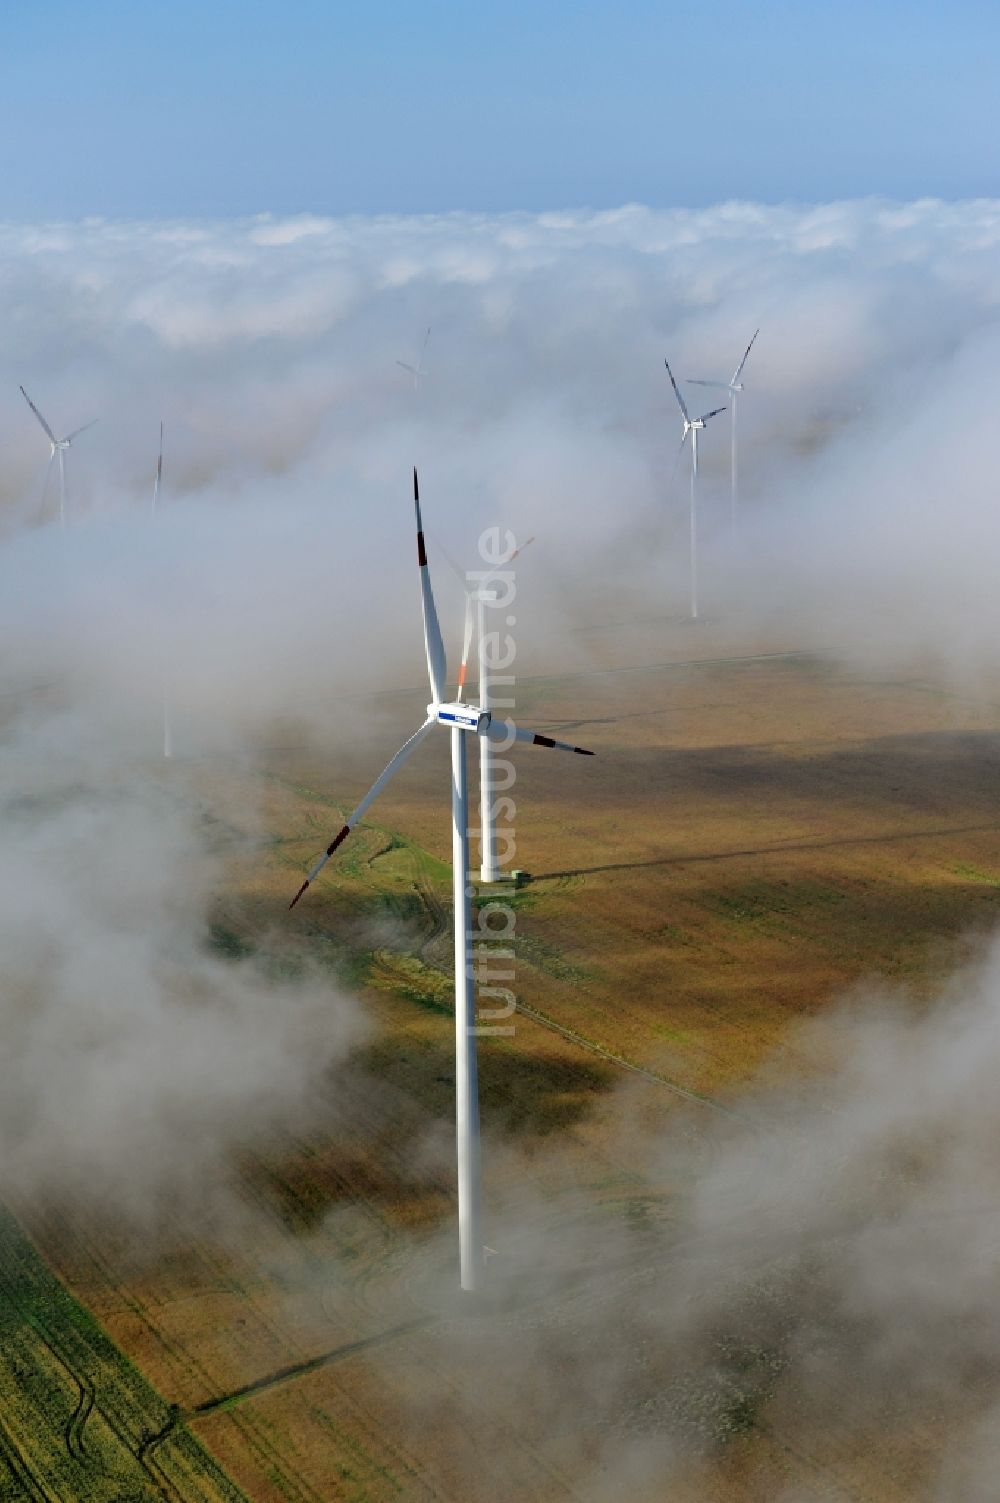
[
  {"x": 466, "y": 645},
  {"x": 501, "y": 730},
  {"x": 437, "y": 663},
  {"x": 389, "y": 771}
]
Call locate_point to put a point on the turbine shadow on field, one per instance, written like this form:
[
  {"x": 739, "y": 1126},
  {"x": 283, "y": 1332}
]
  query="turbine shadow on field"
[
  {"x": 386, "y": 1148},
  {"x": 525, "y": 1096},
  {"x": 872, "y": 789},
  {"x": 778, "y": 848}
]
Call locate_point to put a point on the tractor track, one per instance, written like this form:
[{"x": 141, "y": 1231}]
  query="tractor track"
[
  {"x": 21, "y": 1470},
  {"x": 438, "y": 916},
  {"x": 78, "y": 1419},
  {"x": 137, "y": 1445}
]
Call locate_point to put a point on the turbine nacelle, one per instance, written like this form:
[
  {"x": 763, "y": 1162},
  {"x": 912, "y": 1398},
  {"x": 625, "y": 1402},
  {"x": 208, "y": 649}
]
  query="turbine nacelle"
[{"x": 465, "y": 717}]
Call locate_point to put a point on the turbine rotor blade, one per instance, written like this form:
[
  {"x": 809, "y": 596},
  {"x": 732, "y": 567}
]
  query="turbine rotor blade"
[
  {"x": 714, "y": 413},
  {"x": 720, "y": 385},
  {"x": 470, "y": 600},
  {"x": 459, "y": 574},
  {"x": 677, "y": 392},
  {"x": 500, "y": 730},
  {"x": 77, "y": 431},
  {"x": 739, "y": 368},
  {"x": 411, "y": 368},
  {"x": 387, "y": 773},
  {"x": 677, "y": 459},
  {"x": 38, "y": 415},
  {"x": 466, "y": 644},
  {"x": 437, "y": 662}
]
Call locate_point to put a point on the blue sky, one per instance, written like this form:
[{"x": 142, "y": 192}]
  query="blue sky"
[{"x": 213, "y": 107}]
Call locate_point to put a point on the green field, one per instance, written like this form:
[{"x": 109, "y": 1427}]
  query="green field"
[{"x": 77, "y": 1418}]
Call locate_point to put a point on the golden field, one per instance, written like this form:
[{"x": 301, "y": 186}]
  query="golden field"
[{"x": 760, "y": 829}]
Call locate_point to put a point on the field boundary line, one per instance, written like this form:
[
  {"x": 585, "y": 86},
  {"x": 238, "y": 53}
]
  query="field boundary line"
[{"x": 626, "y": 1064}]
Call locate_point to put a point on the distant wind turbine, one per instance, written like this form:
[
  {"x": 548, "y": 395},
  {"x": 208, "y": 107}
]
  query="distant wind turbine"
[
  {"x": 734, "y": 386},
  {"x": 692, "y": 426},
  {"x": 159, "y": 473},
  {"x": 168, "y": 739},
  {"x": 59, "y": 447},
  {"x": 418, "y": 371},
  {"x": 462, "y": 720}
]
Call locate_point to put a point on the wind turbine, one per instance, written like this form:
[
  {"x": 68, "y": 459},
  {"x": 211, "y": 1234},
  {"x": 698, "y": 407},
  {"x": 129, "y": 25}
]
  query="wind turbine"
[
  {"x": 694, "y": 427},
  {"x": 168, "y": 739},
  {"x": 476, "y": 602},
  {"x": 734, "y": 387},
  {"x": 417, "y": 371},
  {"x": 159, "y": 474},
  {"x": 462, "y": 720},
  {"x": 59, "y": 446}
]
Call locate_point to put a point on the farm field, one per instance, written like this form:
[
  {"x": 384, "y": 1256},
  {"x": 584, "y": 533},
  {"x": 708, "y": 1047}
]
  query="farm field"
[
  {"x": 77, "y": 1420},
  {"x": 759, "y": 831}
]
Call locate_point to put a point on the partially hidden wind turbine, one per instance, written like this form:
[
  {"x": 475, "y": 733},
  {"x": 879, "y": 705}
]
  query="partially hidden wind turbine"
[
  {"x": 692, "y": 426},
  {"x": 157, "y": 482},
  {"x": 462, "y": 720},
  {"x": 168, "y": 740},
  {"x": 734, "y": 386},
  {"x": 59, "y": 447},
  {"x": 476, "y": 604},
  {"x": 417, "y": 371}
]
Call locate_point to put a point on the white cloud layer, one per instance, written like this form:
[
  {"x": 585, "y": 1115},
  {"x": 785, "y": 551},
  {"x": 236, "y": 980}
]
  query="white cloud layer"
[{"x": 269, "y": 347}]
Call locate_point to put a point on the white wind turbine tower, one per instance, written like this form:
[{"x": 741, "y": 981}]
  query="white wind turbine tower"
[
  {"x": 462, "y": 720},
  {"x": 692, "y": 426},
  {"x": 168, "y": 740},
  {"x": 476, "y": 603},
  {"x": 417, "y": 371},
  {"x": 59, "y": 447},
  {"x": 734, "y": 386}
]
